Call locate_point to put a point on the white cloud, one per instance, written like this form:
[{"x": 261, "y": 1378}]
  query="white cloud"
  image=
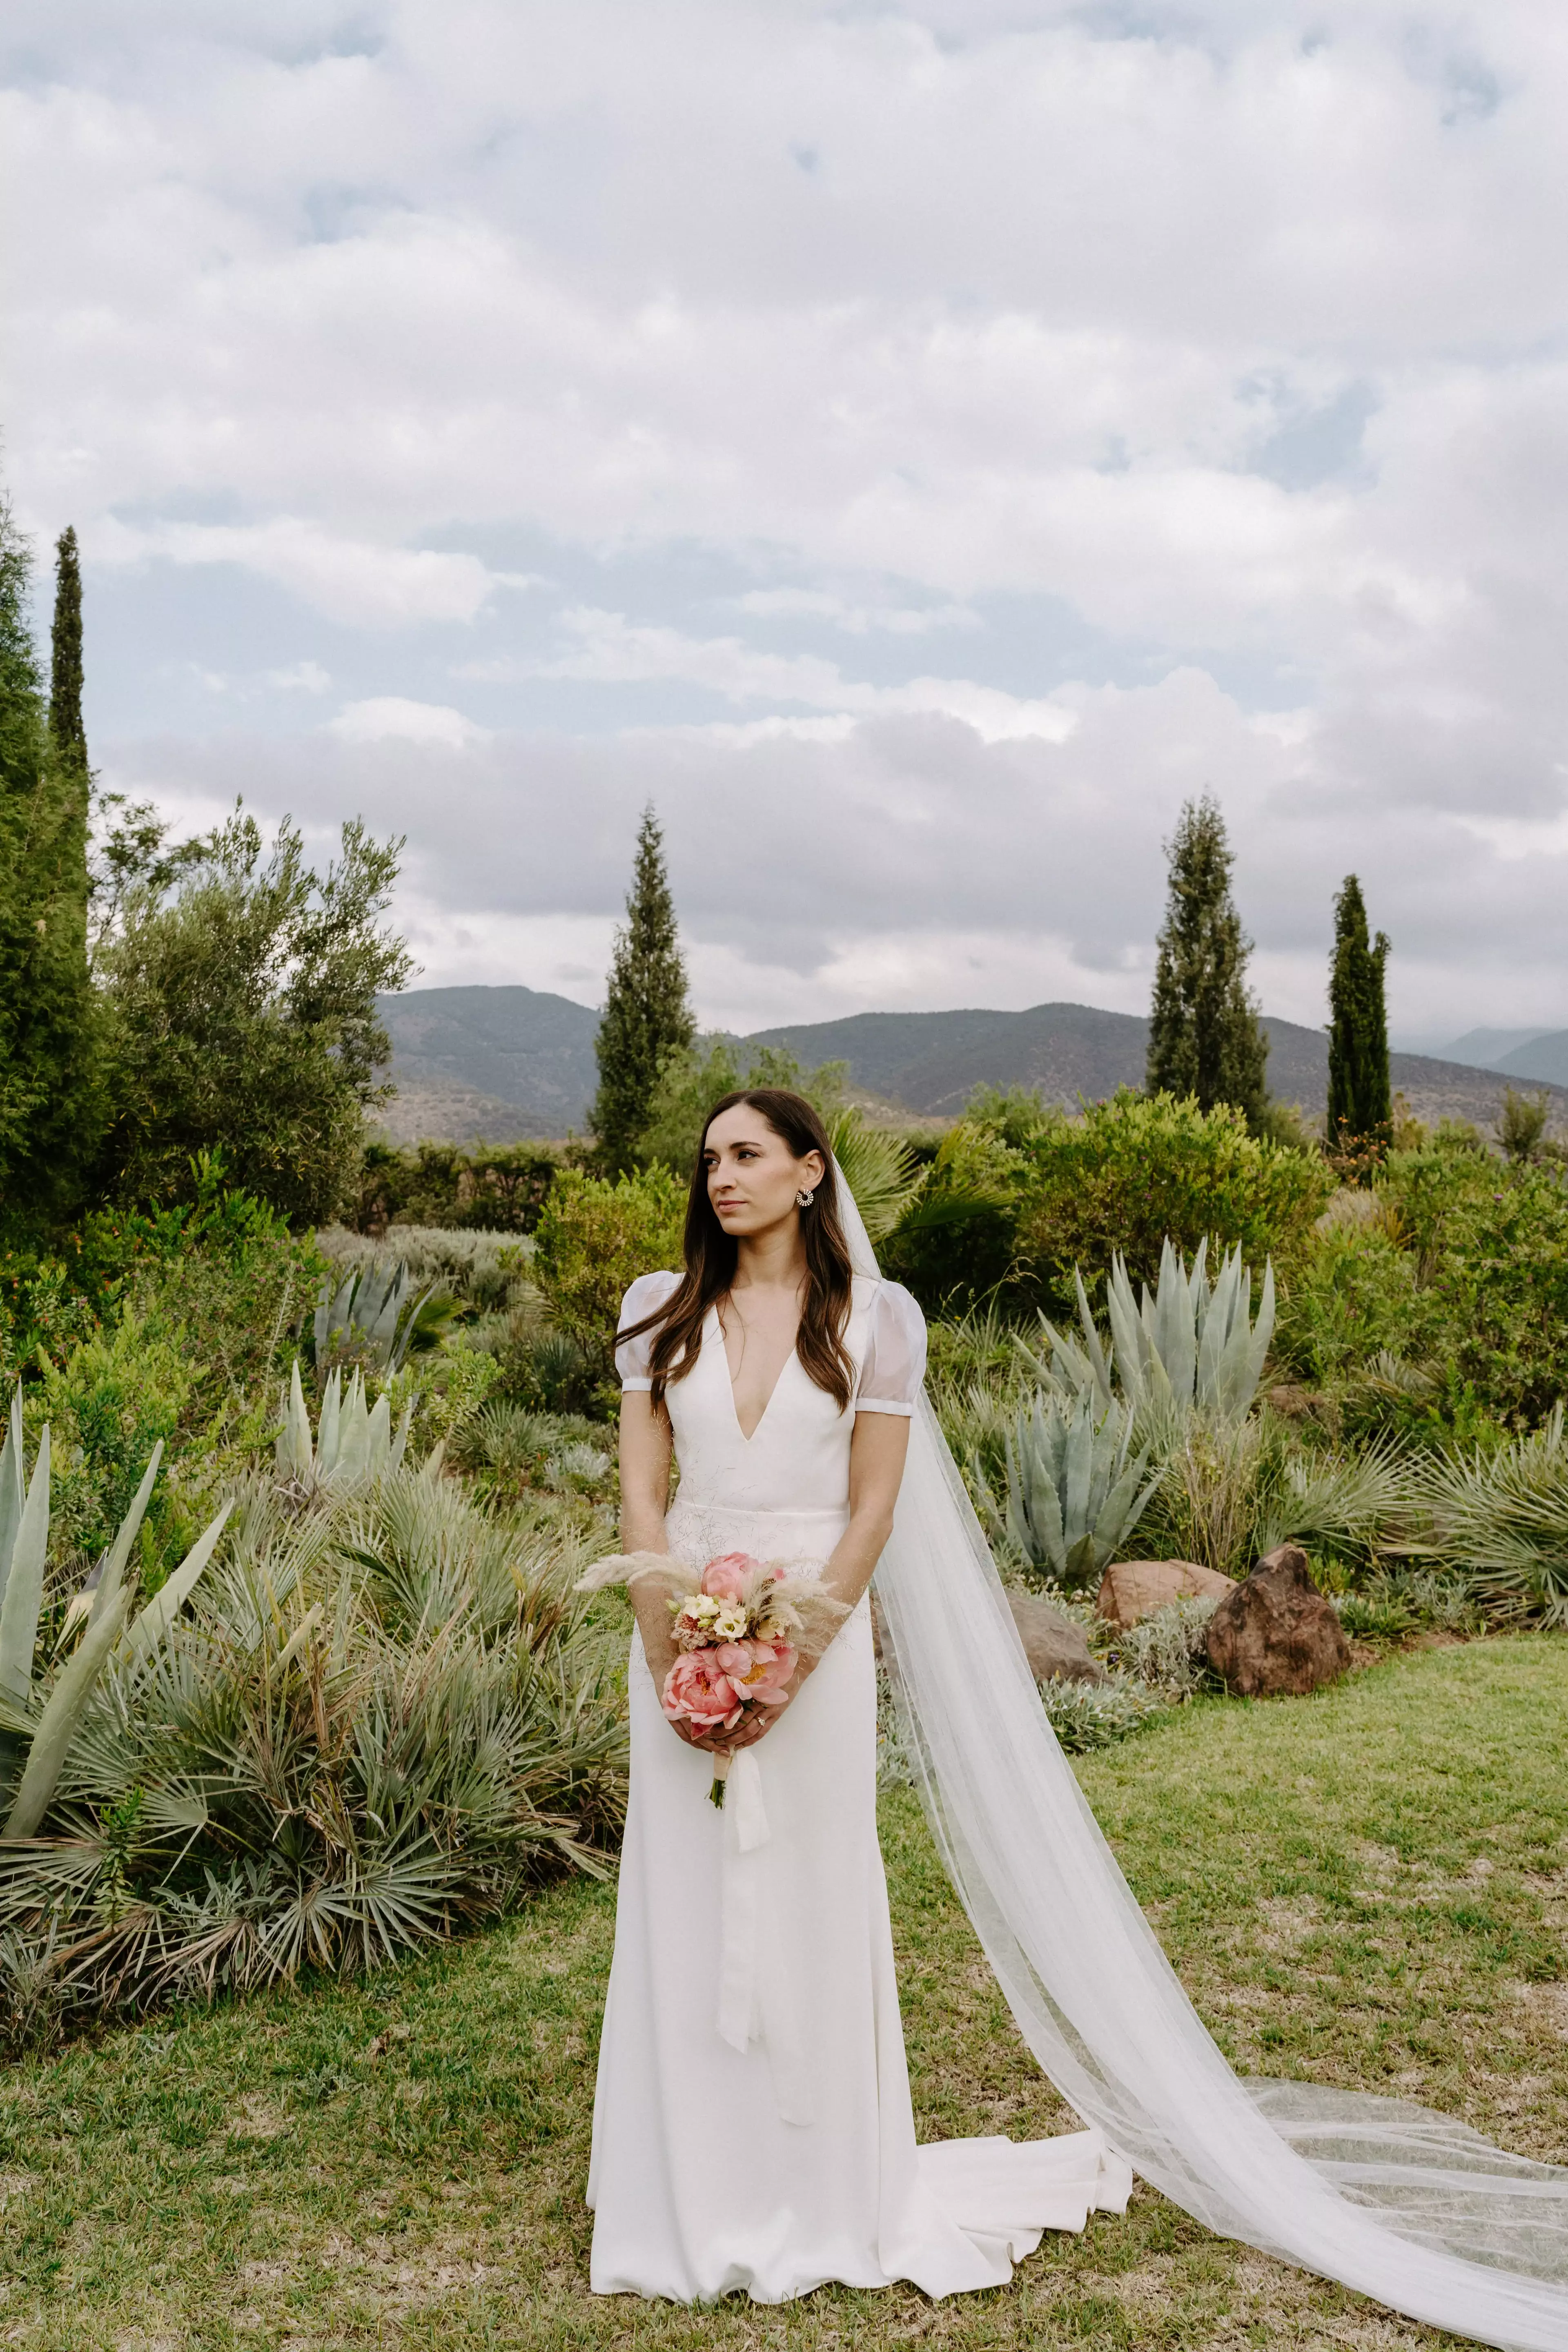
[
  {"x": 856, "y": 620},
  {"x": 609, "y": 650},
  {"x": 1198, "y": 377},
  {"x": 348, "y": 580},
  {"x": 393, "y": 718}
]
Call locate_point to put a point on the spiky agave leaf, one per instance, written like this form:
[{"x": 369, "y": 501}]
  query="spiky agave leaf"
[
  {"x": 25, "y": 1585},
  {"x": 12, "y": 1495},
  {"x": 1074, "y": 1490}
]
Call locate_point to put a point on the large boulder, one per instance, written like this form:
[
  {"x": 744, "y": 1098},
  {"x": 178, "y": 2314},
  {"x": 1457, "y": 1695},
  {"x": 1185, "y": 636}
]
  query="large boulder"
[
  {"x": 1053, "y": 1644},
  {"x": 1135, "y": 1589},
  {"x": 1275, "y": 1636}
]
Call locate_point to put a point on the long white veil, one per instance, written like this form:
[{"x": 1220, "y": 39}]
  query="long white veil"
[{"x": 1389, "y": 2199}]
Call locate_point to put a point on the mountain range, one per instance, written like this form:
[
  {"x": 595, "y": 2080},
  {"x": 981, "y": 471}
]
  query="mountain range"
[
  {"x": 510, "y": 1063},
  {"x": 1538, "y": 1055}
]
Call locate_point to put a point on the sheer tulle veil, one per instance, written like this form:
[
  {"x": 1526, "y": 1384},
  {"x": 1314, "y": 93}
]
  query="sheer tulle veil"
[{"x": 1391, "y": 2199}]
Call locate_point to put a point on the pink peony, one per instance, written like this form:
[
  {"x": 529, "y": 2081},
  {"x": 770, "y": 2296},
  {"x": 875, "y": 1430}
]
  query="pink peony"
[
  {"x": 727, "y": 1579},
  {"x": 758, "y": 1672},
  {"x": 697, "y": 1689}
]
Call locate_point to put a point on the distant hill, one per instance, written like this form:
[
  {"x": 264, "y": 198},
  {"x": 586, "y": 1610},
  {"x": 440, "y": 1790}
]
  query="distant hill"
[
  {"x": 1543, "y": 1058},
  {"x": 1485, "y": 1048},
  {"x": 509, "y": 1063},
  {"x": 501, "y": 1062},
  {"x": 932, "y": 1061}
]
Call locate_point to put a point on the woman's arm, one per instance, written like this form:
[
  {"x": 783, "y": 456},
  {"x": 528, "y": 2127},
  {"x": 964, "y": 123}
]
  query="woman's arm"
[
  {"x": 876, "y": 1454},
  {"x": 645, "y": 1498}
]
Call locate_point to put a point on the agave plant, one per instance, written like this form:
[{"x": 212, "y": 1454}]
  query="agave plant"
[
  {"x": 1073, "y": 1493},
  {"x": 354, "y": 1441},
  {"x": 41, "y": 1715},
  {"x": 385, "y": 1716},
  {"x": 380, "y": 1314},
  {"x": 1184, "y": 1344}
]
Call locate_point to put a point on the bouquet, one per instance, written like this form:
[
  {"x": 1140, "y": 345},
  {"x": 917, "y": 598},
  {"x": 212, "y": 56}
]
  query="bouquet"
[{"x": 741, "y": 1628}]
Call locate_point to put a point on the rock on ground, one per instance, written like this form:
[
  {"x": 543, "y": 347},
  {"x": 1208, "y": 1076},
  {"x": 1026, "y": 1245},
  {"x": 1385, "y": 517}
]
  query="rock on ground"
[
  {"x": 1275, "y": 1636},
  {"x": 1135, "y": 1589},
  {"x": 1053, "y": 1644}
]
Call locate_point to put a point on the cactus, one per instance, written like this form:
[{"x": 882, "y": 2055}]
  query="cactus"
[
  {"x": 1073, "y": 1494},
  {"x": 47, "y": 1726},
  {"x": 352, "y": 1440}
]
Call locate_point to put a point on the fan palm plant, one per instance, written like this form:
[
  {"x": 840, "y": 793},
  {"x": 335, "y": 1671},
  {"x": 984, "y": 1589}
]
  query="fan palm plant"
[
  {"x": 1502, "y": 1519},
  {"x": 385, "y": 1716}
]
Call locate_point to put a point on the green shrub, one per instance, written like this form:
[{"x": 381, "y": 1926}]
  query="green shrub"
[
  {"x": 1050, "y": 1193},
  {"x": 1137, "y": 1170},
  {"x": 595, "y": 1237},
  {"x": 692, "y": 1078},
  {"x": 111, "y": 1400},
  {"x": 496, "y": 1188},
  {"x": 1457, "y": 1277}
]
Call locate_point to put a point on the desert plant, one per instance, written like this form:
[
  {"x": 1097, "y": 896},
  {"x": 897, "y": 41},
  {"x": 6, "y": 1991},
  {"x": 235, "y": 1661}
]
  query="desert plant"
[
  {"x": 354, "y": 1441},
  {"x": 377, "y": 1313},
  {"x": 1357, "y": 1502},
  {"x": 1502, "y": 1521},
  {"x": 386, "y": 1717},
  {"x": 1185, "y": 1344},
  {"x": 41, "y": 1714},
  {"x": 1074, "y": 1492},
  {"x": 879, "y": 1169}
]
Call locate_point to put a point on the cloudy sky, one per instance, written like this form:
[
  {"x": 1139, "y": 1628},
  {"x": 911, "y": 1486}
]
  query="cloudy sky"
[{"x": 919, "y": 446}]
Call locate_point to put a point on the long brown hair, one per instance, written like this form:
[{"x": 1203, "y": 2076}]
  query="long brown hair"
[{"x": 710, "y": 1257}]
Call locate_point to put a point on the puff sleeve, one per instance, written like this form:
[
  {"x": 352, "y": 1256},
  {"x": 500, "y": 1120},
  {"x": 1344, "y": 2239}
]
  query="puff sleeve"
[
  {"x": 895, "y": 1361},
  {"x": 647, "y": 1295}
]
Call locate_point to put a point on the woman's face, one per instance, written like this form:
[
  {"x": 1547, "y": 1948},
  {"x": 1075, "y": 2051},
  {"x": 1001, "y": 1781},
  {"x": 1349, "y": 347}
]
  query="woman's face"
[{"x": 753, "y": 1177}]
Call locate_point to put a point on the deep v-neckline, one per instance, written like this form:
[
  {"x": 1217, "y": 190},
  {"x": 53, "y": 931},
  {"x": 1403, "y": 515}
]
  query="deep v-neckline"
[{"x": 746, "y": 1437}]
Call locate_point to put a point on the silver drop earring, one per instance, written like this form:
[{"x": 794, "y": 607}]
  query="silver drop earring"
[{"x": 804, "y": 1199}]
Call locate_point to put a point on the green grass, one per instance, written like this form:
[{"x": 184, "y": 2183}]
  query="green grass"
[{"x": 1364, "y": 1887}]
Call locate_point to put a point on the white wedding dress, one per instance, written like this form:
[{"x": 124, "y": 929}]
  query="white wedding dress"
[{"x": 752, "y": 2126}]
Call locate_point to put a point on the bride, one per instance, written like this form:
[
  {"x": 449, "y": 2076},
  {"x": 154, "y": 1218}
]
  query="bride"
[{"x": 753, "y": 2127}]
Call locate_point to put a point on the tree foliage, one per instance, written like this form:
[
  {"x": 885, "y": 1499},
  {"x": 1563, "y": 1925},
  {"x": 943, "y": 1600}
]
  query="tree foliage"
[
  {"x": 1205, "y": 1040},
  {"x": 49, "y": 1075},
  {"x": 1361, "y": 1106},
  {"x": 66, "y": 732},
  {"x": 694, "y": 1077},
  {"x": 647, "y": 1012},
  {"x": 242, "y": 996}
]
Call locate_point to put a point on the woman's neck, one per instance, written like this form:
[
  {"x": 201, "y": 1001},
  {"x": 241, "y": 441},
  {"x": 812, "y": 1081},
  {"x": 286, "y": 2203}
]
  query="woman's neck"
[{"x": 769, "y": 1261}]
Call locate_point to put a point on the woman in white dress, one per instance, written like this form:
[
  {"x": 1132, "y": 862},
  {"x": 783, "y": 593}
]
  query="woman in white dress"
[{"x": 753, "y": 2127}]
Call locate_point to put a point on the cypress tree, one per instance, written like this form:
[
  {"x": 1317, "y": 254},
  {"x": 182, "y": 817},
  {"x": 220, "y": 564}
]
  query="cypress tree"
[
  {"x": 49, "y": 1064},
  {"x": 1204, "y": 1036},
  {"x": 1360, "y": 1107},
  {"x": 648, "y": 1012},
  {"x": 65, "y": 731}
]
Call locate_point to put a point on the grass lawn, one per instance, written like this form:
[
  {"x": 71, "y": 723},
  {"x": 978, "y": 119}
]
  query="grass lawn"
[{"x": 1367, "y": 1887}]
